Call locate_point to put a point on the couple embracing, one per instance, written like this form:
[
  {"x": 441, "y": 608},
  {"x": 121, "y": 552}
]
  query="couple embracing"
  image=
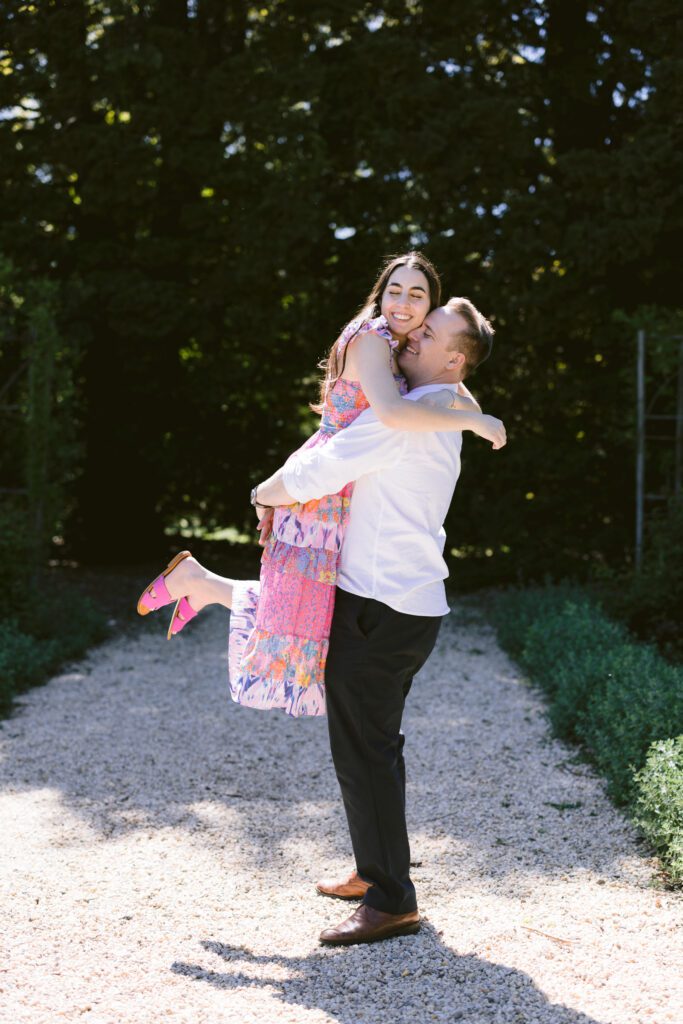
[{"x": 351, "y": 594}]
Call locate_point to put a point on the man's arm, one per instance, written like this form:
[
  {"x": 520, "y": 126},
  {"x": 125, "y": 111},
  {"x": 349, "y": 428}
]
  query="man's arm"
[
  {"x": 273, "y": 491},
  {"x": 363, "y": 447}
]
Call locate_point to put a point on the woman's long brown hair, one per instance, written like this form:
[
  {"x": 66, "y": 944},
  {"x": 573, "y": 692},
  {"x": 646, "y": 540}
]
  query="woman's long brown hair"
[{"x": 333, "y": 365}]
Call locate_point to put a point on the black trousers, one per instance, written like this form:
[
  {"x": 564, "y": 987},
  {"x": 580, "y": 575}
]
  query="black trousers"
[{"x": 374, "y": 654}]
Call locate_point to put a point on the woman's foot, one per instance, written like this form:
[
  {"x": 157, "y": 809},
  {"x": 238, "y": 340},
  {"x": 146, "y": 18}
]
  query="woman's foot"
[
  {"x": 185, "y": 581},
  {"x": 189, "y": 579},
  {"x": 156, "y": 595}
]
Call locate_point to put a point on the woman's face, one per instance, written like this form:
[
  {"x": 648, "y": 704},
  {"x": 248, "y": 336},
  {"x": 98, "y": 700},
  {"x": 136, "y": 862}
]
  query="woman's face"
[{"x": 405, "y": 301}]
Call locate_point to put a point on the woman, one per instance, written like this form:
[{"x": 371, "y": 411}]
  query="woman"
[{"x": 279, "y": 626}]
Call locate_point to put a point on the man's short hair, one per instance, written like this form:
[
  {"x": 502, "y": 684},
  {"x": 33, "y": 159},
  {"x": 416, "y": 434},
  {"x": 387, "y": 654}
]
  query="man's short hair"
[{"x": 476, "y": 341}]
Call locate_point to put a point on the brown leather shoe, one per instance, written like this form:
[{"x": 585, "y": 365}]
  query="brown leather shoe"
[
  {"x": 353, "y": 888},
  {"x": 369, "y": 925}
]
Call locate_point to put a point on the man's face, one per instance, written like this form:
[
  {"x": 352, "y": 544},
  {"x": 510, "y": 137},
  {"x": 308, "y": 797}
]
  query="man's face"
[{"x": 426, "y": 359}]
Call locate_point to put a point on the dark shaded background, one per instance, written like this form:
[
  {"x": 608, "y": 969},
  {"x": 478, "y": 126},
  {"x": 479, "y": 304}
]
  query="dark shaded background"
[{"x": 197, "y": 196}]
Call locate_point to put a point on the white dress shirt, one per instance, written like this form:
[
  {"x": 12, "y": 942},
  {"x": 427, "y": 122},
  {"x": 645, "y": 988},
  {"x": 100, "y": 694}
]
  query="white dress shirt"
[{"x": 404, "y": 482}]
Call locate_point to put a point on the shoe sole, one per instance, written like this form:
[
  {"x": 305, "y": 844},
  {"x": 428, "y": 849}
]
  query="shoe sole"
[
  {"x": 338, "y": 896},
  {"x": 408, "y": 929},
  {"x": 142, "y": 610}
]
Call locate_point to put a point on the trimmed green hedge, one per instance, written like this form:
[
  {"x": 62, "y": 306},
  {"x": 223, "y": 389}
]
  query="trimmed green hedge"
[
  {"x": 617, "y": 697},
  {"x": 45, "y": 634},
  {"x": 650, "y": 602}
]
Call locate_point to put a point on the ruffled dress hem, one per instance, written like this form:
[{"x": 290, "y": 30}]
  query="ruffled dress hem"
[{"x": 273, "y": 671}]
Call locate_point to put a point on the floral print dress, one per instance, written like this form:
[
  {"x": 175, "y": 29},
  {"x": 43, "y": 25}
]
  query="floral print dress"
[{"x": 280, "y": 624}]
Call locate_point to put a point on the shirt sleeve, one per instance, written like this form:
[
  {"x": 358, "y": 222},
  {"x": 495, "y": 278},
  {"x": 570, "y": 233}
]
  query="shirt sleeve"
[{"x": 365, "y": 446}]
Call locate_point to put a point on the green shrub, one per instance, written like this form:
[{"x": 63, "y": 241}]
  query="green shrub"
[
  {"x": 658, "y": 808},
  {"x": 16, "y": 550},
  {"x": 66, "y": 617},
  {"x": 617, "y": 697},
  {"x": 515, "y": 610},
  {"x": 650, "y": 602},
  {"x": 565, "y": 647},
  {"x": 24, "y": 661},
  {"x": 642, "y": 701},
  {"x": 580, "y": 679},
  {"x": 46, "y": 632}
]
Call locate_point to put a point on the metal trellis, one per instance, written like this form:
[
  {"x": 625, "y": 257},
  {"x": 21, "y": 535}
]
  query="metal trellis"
[{"x": 644, "y": 417}]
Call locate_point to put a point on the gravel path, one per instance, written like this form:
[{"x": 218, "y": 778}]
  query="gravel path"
[{"x": 160, "y": 846}]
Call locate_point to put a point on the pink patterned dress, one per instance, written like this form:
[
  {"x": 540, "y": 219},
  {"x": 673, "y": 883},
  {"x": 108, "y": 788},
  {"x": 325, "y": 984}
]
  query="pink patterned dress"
[{"x": 280, "y": 624}]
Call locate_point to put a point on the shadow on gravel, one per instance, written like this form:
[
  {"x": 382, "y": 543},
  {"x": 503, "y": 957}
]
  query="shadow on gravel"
[
  {"x": 144, "y": 736},
  {"x": 407, "y": 979}
]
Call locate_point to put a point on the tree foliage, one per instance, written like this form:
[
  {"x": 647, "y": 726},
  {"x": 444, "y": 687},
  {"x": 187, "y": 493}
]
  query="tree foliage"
[
  {"x": 38, "y": 415},
  {"x": 214, "y": 184}
]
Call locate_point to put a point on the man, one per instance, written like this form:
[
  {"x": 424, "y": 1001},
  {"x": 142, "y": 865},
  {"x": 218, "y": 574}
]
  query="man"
[{"x": 389, "y": 604}]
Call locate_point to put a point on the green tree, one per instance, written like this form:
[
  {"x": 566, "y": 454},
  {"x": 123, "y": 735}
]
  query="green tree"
[
  {"x": 39, "y": 458},
  {"x": 214, "y": 185}
]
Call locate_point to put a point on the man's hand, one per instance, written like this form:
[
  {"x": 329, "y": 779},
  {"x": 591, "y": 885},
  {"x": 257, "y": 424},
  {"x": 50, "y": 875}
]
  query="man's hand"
[
  {"x": 438, "y": 399},
  {"x": 465, "y": 393},
  {"x": 445, "y": 399},
  {"x": 464, "y": 404},
  {"x": 265, "y": 524},
  {"x": 491, "y": 429}
]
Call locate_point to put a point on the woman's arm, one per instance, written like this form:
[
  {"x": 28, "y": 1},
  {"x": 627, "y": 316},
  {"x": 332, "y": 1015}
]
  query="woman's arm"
[{"x": 376, "y": 379}]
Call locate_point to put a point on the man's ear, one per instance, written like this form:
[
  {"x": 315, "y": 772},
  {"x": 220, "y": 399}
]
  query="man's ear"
[{"x": 456, "y": 360}]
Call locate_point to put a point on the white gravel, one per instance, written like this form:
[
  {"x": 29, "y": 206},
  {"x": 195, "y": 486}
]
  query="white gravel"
[{"x": 160, "y": 847}]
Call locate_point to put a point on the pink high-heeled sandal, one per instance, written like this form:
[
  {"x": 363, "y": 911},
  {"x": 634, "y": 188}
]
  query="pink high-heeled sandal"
[
  {"x": 150, "y": 603},
  {"x": 182, "y": 613}
]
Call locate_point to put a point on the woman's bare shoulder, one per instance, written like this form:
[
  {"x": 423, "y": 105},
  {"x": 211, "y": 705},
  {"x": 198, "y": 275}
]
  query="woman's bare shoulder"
[
  {"x": 367, "y": 347},
  {"x": 368, "y": 338}
]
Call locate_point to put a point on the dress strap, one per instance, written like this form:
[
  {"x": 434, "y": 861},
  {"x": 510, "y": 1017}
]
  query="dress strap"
[{"x": 377, "y": 325}]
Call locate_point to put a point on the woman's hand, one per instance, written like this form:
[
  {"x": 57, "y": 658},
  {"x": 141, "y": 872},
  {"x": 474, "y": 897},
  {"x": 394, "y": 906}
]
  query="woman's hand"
[
  {"x": 265, "y": 524},
  {"x": 491, "y": 429}
]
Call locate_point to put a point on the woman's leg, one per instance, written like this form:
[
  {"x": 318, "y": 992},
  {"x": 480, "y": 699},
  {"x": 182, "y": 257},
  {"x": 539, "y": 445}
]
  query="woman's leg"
[{"x": 191, "y": 580}]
